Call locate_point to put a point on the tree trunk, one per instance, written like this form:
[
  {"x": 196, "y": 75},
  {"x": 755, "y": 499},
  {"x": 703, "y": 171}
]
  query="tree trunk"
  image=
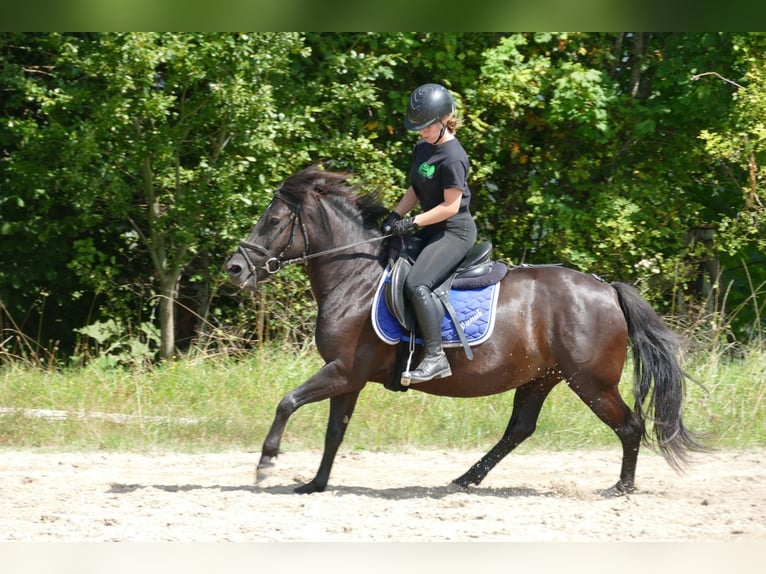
[
  {"x": 169, "y": 275},
  {"x": 636, "y": 69},
  {"x": 168, "y": 294}
]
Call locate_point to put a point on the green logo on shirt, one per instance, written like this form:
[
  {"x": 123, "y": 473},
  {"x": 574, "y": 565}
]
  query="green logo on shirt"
[{"x": 426, "y": 170}]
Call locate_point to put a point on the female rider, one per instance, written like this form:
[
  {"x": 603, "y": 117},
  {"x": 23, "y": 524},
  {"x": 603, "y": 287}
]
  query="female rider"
[{"x": 439, "y": 183}]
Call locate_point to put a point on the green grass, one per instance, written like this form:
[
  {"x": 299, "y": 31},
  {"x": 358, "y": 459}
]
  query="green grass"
[{"x": 233, "y": 403}]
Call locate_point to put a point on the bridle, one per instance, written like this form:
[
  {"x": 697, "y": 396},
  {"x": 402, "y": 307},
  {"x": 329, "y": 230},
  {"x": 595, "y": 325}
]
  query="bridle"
[{"x": 274, "y": 263}]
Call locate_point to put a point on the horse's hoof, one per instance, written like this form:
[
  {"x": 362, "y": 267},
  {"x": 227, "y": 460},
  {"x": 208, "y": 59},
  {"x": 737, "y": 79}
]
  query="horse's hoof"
[
  {"x": 463, "y": 483},
  {"x": 455, "y": 487},
  {"x": 619, "y": 489},
  {"x": 309, "y": 488},
  {"x": 263, "y": 471}
]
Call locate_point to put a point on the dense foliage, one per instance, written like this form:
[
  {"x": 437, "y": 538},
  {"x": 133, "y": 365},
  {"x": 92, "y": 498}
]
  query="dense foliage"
[{"x": 132, "y": 164}]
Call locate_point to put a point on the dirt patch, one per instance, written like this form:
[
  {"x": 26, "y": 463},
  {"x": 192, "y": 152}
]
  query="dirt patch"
[{"x": 540, "y": 496}]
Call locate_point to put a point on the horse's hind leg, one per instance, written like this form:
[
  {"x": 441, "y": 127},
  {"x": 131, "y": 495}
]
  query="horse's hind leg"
[
  {"x": 609, "y": 406},
  {"x": 527, "y": 403}
]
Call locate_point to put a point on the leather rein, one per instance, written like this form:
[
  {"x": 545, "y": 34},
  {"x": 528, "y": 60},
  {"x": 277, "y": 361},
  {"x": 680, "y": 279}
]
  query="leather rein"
[{"x": 274, "y": 263}]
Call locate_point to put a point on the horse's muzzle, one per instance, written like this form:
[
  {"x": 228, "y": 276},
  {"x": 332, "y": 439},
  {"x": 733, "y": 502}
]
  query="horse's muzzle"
[{"x": 240, "y": 273}]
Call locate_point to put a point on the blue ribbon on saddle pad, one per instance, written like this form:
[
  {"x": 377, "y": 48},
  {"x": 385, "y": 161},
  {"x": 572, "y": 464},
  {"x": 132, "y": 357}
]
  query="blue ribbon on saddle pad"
[{"x": 475, "y": 309}]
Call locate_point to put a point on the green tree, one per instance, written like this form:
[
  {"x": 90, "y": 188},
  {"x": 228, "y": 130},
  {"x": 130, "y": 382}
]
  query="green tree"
[
  {"x": 38, "y": 220},
  {"x": 739, "y": 149},
  {"x": 133, "y": 163},
  {"x": 588, "y": 146},
  {"x": 153, "y": 137}
]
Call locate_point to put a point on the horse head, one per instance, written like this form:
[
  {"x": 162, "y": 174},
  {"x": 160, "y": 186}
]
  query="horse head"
[
  {"x": 278, "y": 237},
  {"x": 309, "y": 211}
]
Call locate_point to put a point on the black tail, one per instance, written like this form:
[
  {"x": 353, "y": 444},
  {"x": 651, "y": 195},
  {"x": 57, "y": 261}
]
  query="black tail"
[{"x": 659, "y": 376}]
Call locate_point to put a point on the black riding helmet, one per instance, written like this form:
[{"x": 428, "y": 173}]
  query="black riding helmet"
[{"x": 428, "y": 104}]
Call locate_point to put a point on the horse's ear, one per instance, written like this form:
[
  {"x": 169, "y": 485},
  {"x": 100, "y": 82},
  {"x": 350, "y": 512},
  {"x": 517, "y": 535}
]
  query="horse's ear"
[{"x": 320, "y": 186}]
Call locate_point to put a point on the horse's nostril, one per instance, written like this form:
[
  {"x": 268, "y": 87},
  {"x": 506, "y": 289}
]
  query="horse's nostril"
[{"x": 235, "y": 269}]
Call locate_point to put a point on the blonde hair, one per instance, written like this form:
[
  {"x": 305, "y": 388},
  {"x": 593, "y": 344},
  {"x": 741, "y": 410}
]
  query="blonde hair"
[{"x": 453, "y": 123}]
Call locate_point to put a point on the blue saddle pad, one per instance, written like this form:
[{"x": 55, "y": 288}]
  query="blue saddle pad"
[{"x": 475, "y": 310}]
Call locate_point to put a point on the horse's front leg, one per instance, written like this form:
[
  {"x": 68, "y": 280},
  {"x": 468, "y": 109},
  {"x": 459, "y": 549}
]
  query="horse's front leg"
[
  {"x": 341, "y": 409},
  {"x": 326, "y": 382}
]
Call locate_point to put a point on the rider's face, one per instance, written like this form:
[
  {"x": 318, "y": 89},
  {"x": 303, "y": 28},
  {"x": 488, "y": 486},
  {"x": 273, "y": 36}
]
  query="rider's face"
[{"x": 431, "y": 133}]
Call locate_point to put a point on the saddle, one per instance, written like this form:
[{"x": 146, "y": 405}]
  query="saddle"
[{"x": 476, "y": 270}]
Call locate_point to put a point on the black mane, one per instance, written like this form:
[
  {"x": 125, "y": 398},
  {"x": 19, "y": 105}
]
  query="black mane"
[{"x": 313, "y": 182}]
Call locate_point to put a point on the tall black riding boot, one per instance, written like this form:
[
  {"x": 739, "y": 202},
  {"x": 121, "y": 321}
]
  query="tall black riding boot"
[{"x": 428, "y": 313}]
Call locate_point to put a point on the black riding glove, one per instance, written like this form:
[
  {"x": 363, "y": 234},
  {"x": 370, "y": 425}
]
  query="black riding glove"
[
  {"x": 404, "y": 226},
  {"x": 388, "y": 224}
]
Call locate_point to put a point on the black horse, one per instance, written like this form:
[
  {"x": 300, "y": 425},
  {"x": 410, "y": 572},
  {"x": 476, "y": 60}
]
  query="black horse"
[{"x": 552, "y": 324}]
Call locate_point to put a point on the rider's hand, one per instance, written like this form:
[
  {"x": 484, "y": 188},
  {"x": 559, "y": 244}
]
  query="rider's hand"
[
  {"x": 404, "y": 226},
  {"x": 388, "y": 224}
]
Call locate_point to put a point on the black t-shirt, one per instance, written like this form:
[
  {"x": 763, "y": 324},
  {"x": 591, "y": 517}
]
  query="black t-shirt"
[{"x": 439, "y": 167}]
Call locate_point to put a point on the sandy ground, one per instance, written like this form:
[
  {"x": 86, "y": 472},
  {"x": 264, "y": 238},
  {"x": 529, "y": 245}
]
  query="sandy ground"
[{"x": 372, "y": 496}]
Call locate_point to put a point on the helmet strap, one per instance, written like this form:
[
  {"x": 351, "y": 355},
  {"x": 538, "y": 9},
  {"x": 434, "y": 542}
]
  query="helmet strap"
[{"x": 441, "y": 133}]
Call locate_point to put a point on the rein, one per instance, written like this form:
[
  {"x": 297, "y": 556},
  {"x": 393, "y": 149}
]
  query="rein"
[{"x": 273, "y": 264}]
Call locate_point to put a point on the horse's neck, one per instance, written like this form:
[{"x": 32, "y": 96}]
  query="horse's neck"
[{"x": 345, "y": 277}]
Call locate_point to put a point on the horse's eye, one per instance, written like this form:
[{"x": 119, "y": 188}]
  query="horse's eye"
[{"x": 273, "y": 221}]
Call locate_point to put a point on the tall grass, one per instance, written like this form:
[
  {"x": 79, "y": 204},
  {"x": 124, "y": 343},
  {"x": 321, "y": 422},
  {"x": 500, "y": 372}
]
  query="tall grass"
[{"x": 220, "y": 403}]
